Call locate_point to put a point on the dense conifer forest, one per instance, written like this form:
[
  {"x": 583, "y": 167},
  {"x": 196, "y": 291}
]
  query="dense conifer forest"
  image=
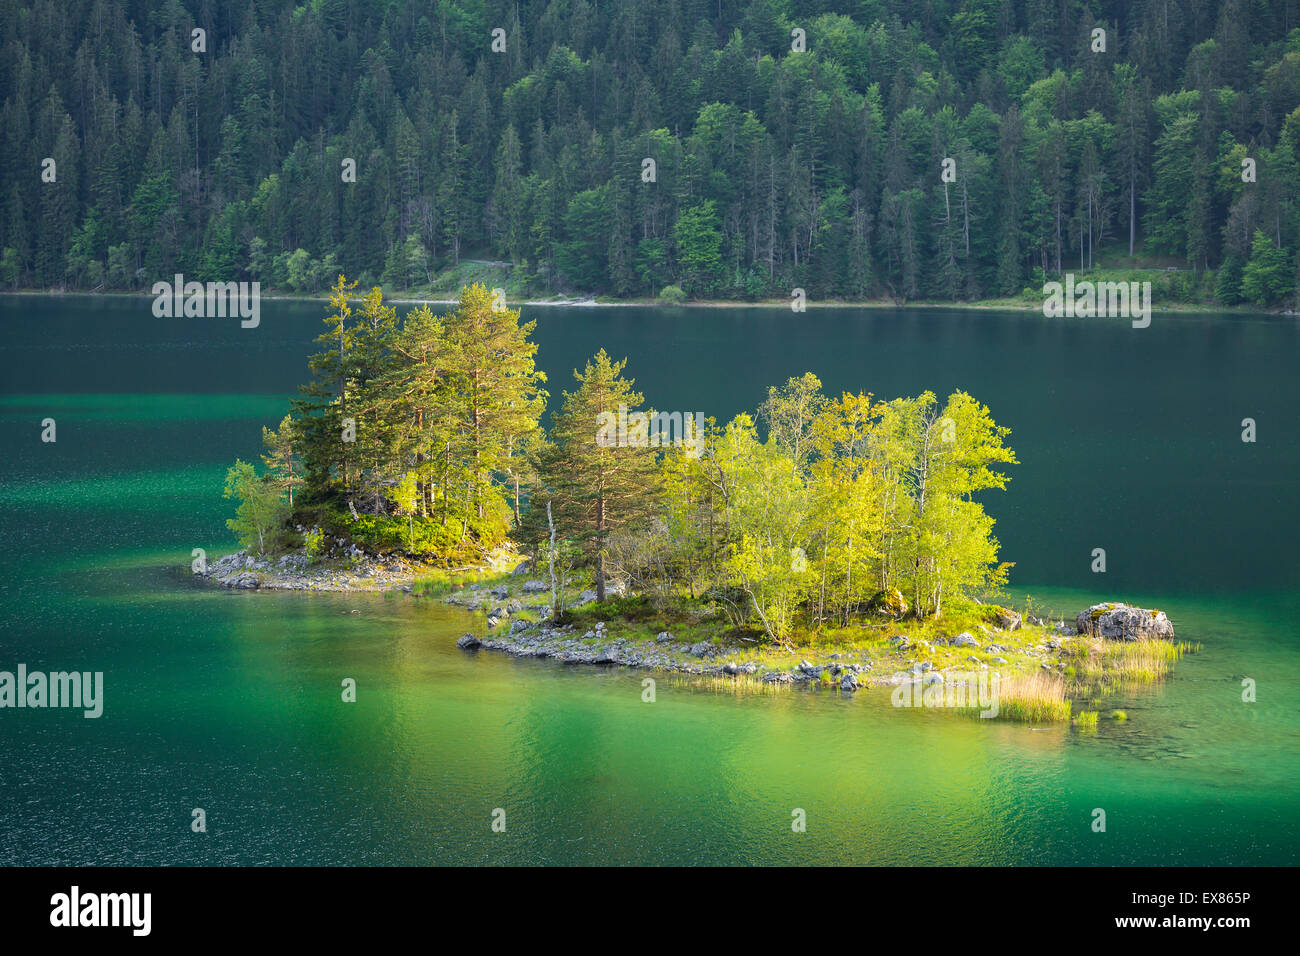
[{"x": 715, "y": 149}]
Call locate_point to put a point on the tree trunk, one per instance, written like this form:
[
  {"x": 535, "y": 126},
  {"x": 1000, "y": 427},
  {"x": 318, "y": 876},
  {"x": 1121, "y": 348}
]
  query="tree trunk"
[
  {"x": 600, "y": 549},
  {"x": 551, "y": 521}
]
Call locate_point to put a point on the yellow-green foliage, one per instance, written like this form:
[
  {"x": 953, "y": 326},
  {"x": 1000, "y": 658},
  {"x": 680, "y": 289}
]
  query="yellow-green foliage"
[
  {"x": 1118, "y": 715},
  {"x": 435, "y": 582},
  {"x": 1087, "y": 719}
]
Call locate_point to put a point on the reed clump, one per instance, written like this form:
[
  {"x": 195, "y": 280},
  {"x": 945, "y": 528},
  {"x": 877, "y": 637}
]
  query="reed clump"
[
  {"x": 1098, "y": 664},
  {"x": 1032, "y": 698}
]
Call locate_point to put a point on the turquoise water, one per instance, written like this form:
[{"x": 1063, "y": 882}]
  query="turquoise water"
[{"x": 1129, "y": 440}]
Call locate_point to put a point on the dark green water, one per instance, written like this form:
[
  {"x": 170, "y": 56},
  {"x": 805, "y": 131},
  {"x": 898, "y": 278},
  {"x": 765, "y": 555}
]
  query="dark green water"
[{"x": 1129, "y": 440}]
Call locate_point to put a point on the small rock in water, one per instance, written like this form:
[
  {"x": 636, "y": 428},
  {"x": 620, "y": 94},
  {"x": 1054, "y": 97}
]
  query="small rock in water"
[{"x": 468, "y": 642}]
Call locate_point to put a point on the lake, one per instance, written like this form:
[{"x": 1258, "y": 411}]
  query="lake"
[{"x": 1129, "y": 440}]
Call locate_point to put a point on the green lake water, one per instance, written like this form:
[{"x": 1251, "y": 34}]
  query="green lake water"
[{"x": 1129, "y": 440}]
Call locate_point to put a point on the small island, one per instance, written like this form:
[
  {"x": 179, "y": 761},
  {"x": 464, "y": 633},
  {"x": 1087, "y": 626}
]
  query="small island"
[{"x": 833, "y": 541}]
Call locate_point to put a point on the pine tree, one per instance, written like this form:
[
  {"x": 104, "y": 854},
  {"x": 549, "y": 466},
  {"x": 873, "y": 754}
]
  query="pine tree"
[{"x": 597, "y": 486}]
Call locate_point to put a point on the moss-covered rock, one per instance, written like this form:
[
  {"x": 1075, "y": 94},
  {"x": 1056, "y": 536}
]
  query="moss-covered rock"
[{"x": 1123, "y": 622}]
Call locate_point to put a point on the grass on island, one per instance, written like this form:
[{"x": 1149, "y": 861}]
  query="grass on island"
[
  {"x": 1096, "y": 667},
  {"x": 437, "y": 583},
  {"x": 1087, "y": 720},
  {"x": 1036, "y": 698},
  {"x": 865, "y": 638}
]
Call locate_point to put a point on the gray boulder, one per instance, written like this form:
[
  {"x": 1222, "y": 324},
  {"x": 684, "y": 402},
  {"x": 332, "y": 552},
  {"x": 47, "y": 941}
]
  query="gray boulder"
[
  {"x": 1123, "y": 622},
  {"x": 469, "y": 642},
  {"x": 848, "y": 682},
  {"x": 703, "y": 649},
  {"x": 965, "y": 639},
  {"x": 1010, "y": 620},
  {"x": 535, "y": 587}
]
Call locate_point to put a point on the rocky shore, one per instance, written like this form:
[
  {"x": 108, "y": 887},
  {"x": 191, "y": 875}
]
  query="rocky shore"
[
  {"x": 296, "y": 572},
  {"x": 596, "y": 646},
  {"x": 345, "y": 568}
]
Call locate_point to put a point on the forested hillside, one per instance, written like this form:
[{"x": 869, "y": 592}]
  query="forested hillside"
[{"x": 773, "y": 167}]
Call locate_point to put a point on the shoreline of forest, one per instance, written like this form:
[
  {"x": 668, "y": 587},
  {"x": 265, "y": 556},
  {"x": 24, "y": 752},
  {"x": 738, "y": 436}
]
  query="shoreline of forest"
[{"x": 590, "y": 301}]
